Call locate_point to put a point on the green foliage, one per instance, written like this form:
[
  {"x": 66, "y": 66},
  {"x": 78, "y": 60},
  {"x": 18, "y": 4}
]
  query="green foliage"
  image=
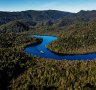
[
  {"x": 57, "y": 75},
  {"x": 76, "y": 39},
  {"x": 32, "y": 15},
  {"x": 12, "y": 58},
  {"x": 19, "y": 71}
]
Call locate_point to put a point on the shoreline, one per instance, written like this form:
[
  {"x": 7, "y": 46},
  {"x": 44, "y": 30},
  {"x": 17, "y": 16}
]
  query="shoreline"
[
  {"x": 33, "y": 44},
  {"x": 83, "y": 54},
  {"x": 62, "y": 54}
]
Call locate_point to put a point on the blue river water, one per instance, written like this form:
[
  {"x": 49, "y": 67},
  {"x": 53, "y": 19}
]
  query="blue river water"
[{"x": 36, "y": 50}]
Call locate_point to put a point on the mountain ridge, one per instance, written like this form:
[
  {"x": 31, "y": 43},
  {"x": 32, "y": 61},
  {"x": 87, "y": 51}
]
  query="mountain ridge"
[
  {"x": 5, "y": 17},
  {"x": 48, "y": 18}
]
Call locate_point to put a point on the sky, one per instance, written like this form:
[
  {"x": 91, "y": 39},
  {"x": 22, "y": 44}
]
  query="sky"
[{"x": 62, "y": 5}]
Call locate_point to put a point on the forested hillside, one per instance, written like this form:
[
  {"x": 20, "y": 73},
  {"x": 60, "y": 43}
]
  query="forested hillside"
[
  {"x": 12, "y": 55},
  {"x": 76, "y": 34},
  {"x": 48, "y": 20},
  {"x": 76, "y": 39},
  {"x": 46, "y": 15}
]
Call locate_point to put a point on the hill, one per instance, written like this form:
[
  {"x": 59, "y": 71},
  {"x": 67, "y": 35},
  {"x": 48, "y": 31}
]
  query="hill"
[
  {"x": 33, "y": 15},
  {"x": 42, "y": 21},
  {"x": 17, "y": 26},
  {"x": 74, "y": 18},
  {"x": 76, "y": 39},
  {"x": 76, "y": 35}
]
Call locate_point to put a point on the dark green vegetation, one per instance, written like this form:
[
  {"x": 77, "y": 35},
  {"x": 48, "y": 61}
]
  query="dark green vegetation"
[
  {"x": 32, "y": 15},
  {"x": 57, "y": 75},
  {"x": 12, "y": 56},
  {"x": 20, "y": 71},
  {"x": 42, "y": 22},
  {"x": 77, "y": 39}
]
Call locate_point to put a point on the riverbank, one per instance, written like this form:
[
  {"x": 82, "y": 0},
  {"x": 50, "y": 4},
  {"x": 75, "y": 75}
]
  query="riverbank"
[
  {"x": 39, "y": 40},
  {"x": 81, "y": 51},
  {"x": 49, "y": 53},
  {"x": 78, "y": 39},
  {"x": 13, "y": 59}
]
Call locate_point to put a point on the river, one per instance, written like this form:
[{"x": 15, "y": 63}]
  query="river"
[{"x": 41, "y": 51}]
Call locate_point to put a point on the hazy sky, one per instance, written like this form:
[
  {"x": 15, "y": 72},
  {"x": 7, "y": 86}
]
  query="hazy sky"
[{"x": 63, "y": 5}]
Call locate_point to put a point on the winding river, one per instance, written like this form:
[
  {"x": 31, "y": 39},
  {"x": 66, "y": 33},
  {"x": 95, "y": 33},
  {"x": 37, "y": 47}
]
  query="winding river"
[{"x": 40, "y": 48}]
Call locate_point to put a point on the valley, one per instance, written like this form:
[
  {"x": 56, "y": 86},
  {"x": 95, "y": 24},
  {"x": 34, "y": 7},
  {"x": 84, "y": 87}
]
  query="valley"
[{"x": 76, "y": 34}]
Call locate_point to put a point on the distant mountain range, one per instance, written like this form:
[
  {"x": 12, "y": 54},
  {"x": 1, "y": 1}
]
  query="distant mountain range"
[
  {"x": 45, "y": 15},
  {"x": 20, "y": 21},
  {"x": 32, "y": 15}
]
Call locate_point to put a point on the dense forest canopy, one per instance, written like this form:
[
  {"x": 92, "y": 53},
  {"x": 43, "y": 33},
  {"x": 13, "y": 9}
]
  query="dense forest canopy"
[
  {"x": 76, "y": 32},
  {"x": 77, "y": 39}
]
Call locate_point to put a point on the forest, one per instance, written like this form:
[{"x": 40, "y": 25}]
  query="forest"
[
  {"x": 76, "y": 34},
  {"x": 77, "y": 39},
  {"x": 20, "y": 71}
]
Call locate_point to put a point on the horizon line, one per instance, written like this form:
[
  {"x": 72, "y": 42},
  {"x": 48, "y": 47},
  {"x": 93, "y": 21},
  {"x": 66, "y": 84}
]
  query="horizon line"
[{"x": 43, "y": 10}]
